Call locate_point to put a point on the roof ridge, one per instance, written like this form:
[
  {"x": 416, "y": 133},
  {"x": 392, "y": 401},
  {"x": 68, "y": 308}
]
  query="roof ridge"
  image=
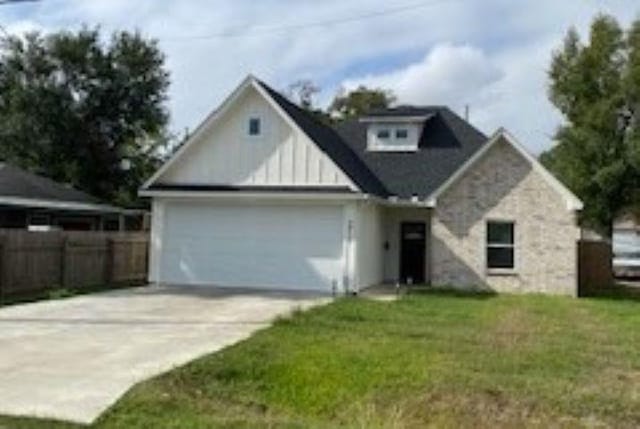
[
  {"x": 415, "y": 106},
  {"x": 466, "y": 123}
]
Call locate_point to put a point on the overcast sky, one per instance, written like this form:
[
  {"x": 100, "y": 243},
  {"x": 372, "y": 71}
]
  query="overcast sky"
[{"x": 490, "y": 54}]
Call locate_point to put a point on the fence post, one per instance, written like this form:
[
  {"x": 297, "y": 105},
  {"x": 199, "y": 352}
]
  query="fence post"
[
  {"x": 3, "y": 268},
  {"x": 110, "y": 261},
  {"x": 63, "y": 261}
]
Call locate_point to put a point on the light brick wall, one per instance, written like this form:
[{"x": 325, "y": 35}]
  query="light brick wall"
[{"x": 502, "y": 185}]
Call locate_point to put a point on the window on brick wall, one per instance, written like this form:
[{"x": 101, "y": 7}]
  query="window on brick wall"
[{"x": 500, "y": 245}]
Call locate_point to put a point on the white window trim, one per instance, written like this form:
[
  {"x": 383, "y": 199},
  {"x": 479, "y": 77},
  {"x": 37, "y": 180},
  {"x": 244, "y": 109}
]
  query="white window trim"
[
  {"x": 513, "y": 246},
  {"x": 397, "y": 148}
]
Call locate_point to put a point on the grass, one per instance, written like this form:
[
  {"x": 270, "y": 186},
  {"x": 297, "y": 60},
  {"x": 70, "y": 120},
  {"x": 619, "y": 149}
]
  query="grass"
[{"x": 427, "y": 360}]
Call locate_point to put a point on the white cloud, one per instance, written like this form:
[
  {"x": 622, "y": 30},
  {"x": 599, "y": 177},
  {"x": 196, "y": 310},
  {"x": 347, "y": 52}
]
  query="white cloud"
[
  {"x": 24, "y": 27},
  {"x": 506, "y": 89},
  {"x": 504, "y": 43},
  {"x": 449, "y": 75}
]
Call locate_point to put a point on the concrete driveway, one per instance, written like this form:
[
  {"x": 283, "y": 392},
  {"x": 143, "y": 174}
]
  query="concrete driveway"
[{"x": 71, "y": 359}]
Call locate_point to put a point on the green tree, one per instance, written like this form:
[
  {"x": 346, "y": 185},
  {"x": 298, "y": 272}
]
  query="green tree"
[
  {"x": 83, "y": 111},
  {"x": 596, "y": 86},
  {"x": 360, "y": 101}
]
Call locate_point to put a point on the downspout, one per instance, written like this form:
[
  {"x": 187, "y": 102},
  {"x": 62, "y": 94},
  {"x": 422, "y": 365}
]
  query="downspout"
[{"x": 349, "y": 277}]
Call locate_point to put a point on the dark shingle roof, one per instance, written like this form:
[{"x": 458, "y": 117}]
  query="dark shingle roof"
[
  {"x": 403, "y": 111},
  {"x": 16, "y": 182},
  {"x": 447, "y": 141},
  {"x": 332, "y": 144}
]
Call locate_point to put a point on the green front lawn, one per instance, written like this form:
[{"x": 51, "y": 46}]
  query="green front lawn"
[{"x": 436, "y": 359}]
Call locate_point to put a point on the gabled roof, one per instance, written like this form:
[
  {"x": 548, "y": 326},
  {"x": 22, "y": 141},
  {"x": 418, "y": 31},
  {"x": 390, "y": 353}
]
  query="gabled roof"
[
  {"x": 573, "y": 202},
  {"x": 22, "y": 188},
  {"x": 319, "y": 133},
  {"x": 331, "y": 144},
  {"x": 447, "y": 141},
  {"x": 448, "y": 146}
]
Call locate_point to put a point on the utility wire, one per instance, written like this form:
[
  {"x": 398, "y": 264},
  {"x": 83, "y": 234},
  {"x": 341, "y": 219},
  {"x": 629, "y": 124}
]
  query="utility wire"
[
  {"x": 8, "y": 2},
  {"x": 272, "y": 29},
  {"x": 3, "y": 30}
]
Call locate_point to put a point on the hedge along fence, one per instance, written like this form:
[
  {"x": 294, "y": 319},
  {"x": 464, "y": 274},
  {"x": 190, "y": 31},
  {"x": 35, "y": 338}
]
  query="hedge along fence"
[{"x": 35, "y": 262}]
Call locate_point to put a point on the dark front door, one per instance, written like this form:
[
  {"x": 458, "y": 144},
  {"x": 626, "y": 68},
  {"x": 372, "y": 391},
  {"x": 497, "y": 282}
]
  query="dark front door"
[{"x": 412, "y": 252}]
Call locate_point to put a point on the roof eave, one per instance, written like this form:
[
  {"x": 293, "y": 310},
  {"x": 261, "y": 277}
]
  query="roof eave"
[
  {"x": 57, "y": 205},
  {"x": 573, "y": 203}
]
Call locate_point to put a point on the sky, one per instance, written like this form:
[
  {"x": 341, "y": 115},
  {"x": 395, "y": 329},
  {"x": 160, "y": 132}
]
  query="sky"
[{"x": 492, "y": 55}]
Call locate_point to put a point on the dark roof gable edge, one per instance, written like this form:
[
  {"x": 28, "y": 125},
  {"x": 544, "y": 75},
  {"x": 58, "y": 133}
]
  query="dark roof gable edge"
[{"x": 331, "y": 143}]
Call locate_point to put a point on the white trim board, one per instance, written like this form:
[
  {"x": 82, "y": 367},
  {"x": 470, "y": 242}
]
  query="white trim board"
[
  {"x": 573, "y": 202},
  {"x": 253, "y": 195},
  {"x": 315, "y": 196}
]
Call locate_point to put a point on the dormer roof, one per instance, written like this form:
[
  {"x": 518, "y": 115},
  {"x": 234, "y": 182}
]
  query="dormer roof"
[{"x": 446, "y": 142}]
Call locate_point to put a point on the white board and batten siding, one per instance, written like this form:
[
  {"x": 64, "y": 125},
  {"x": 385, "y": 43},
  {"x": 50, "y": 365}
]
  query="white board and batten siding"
[
  {"x": 273, "y": 243},
  {"x": 281, "y": 156}
]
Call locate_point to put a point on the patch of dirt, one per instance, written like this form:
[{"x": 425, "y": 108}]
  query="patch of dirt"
[
  {"x": 515, "y": 329},
  {"x": 486, "y": 410}
]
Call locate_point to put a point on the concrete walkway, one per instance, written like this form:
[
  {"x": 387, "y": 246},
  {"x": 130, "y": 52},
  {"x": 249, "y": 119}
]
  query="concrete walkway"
[{"x": 71, "y": 359}]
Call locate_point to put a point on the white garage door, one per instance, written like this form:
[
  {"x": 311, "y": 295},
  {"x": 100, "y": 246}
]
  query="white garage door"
[{"x": 283, "y": 247}]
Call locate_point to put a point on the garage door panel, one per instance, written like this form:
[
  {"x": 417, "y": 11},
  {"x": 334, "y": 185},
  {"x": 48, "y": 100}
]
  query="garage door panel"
[{"x": 296, "y": 247}]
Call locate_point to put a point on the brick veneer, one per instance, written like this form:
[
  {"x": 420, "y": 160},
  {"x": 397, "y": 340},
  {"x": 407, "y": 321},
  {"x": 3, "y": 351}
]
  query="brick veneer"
[{"x": 502, "y": 185}]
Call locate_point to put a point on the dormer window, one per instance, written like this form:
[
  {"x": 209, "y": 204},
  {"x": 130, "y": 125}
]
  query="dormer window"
[
  {"x": 384, "y": 134},
  {"x": 402, "y": 134},
  {"x": 254, "y": 127},
  {"x": 396, "y": 129},
  {"x": 393, "y": 137}
]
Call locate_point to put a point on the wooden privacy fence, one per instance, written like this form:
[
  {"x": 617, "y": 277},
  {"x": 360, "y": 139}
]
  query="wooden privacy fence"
[
  {"x": 595, "y": 270},
  {"x": 35, "y": 262}
]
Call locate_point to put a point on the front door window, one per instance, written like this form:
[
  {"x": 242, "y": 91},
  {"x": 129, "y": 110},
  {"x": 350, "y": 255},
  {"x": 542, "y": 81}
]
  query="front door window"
[{"x": 412, "y": 252}]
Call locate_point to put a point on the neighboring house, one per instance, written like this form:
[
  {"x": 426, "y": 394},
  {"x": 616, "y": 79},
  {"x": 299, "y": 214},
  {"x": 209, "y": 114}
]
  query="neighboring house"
[
  {"x": 33, "y": 202},
  {"x": 626, "y": 246},
  {"x": 264, "y": 195}
]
